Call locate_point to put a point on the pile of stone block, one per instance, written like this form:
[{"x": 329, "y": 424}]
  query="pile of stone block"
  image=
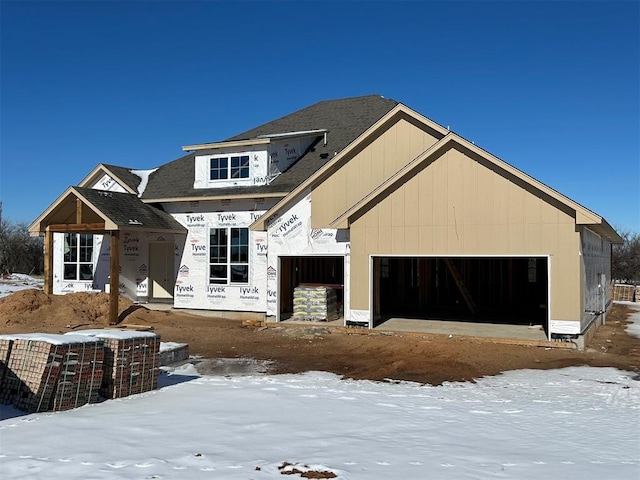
[
  {"x": 625, "y": 293},
  {"x": 131, "y": 361},
  {"x": 47, "y": 372}
]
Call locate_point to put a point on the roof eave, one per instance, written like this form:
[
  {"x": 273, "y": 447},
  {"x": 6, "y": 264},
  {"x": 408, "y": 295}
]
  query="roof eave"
[
  {"x": 241, "y": 196},
  {"x": 235, "y": 143}
]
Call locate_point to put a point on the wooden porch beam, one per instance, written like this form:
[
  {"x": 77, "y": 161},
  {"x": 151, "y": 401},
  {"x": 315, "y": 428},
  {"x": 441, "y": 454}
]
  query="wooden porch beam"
[
  {"x": 114, "y": 276},
  {"x": 78, "y": 211},
  {"x": 77, "y": 227},
  {"x": 48, "y": 262}
]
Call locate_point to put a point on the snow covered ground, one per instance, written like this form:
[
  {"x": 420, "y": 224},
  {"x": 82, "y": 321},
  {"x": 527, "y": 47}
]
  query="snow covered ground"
[
  {"x": 633, "y": 328},
  {"x": 18, "y": 281},
  {"x": 574, "y": 423}
]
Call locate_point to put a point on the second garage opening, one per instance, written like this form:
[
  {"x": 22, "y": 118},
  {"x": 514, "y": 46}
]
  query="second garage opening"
[
  {"x": 310, "y": 271},
  {"x": 502, "y": 290}
]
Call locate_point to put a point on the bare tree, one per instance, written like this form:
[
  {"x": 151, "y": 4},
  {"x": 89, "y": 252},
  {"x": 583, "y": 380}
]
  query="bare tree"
[
  {"x": 626, "y": 258},
  {"x": 19, "y": 252}
]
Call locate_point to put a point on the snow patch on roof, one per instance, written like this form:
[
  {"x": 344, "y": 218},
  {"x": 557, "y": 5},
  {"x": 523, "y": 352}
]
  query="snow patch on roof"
[{"x": 144, "y": 179}]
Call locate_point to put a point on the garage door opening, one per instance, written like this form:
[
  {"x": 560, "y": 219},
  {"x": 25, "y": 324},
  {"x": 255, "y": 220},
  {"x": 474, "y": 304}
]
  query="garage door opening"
[
  {"x": 510, "y": 290},
  {"x": 309, "y": 272}
]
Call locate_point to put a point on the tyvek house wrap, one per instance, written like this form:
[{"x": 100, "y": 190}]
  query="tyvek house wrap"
[
  {"x": 290, "y": 234},
  {"x": 192, "y": 288}
]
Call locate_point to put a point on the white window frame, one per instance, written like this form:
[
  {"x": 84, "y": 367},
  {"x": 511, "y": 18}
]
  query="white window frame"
[
  {"x": 241, "y": 170},
  {"x": 228, "y": 255},
  {"x": 81, "y": 258}
]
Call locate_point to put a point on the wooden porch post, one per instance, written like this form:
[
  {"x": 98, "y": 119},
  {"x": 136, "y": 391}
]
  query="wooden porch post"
[
  {"x": 48, "y": 262},
  {"x": 114, "y": 273}
]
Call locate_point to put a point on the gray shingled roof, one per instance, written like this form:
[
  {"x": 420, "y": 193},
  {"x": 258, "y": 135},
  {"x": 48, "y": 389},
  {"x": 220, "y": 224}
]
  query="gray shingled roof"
[
  {"x": 346, "y": 119},
  {"x": 124, "y": 174},
  {"x": 127, "y": 210}
]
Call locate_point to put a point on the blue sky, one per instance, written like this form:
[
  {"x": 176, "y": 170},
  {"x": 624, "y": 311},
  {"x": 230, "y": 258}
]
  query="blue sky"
[{"x": 553, "y": 88}]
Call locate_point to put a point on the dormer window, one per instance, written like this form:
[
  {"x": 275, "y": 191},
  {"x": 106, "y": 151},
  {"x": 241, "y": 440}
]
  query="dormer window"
[
  {"x": 240, "y": 167},
  {"x": 223, "y": 168},
  {"x": 219, "y": 168}
]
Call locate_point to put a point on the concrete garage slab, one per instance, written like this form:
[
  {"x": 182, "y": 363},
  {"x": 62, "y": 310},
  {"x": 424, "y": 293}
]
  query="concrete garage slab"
[{"x": 469, "y": 329}]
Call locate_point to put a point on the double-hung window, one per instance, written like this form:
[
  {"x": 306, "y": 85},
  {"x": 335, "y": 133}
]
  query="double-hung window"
[
  {"x": 219, "y": 168},
  {"x": 229, "y": 255},
  {"x": 222, "y": 168},
  {"x": 78, "y": 256}
]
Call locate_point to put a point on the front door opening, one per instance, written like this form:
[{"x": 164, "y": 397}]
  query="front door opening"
[
  {"x": 161, "y": 272},
  {"x": 509, "y": 290},
  {"x": 309, "y": 271}
]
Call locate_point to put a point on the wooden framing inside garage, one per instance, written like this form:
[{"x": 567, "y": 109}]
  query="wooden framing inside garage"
[{"x": 498, "y": 290}]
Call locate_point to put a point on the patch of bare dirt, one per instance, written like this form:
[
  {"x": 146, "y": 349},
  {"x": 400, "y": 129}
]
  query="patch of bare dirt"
[
  {"x": 358, "y": 354},
  {"x": 32, "y": 310}
]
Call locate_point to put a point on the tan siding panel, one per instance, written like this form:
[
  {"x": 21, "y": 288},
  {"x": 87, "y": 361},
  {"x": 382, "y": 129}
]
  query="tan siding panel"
[
  {"x": 470, "y": 192},
  {"x": 384, "y": 240},
  {"x": 485, "y": 196},
  {"x": 454, "y": 238},
  {"x": 550, "y": 237},
  {"x": 397, "y": 208},
  {"x": 397, "y": 239},
  {"x": 516, "y": 238},
  {"x": 454, "y": 188},
  {"x": 470, "y": 238},
  {"x": 371, "y": 239},
  {"x": 532, "y": 238},
  {"x": 516, "y": 204},
  {"x": 549, "y": 213},
  {"x": 485, "y": 240},
  {"x": 411, "y": 202},
  {"x": 340, "y": 193},
  {"x": 359, "y": 271},
  {"x": 384, "y": 213},
  {"x": 390, "y": 152},
  {"x": 371, "y": 218},
  {"x": 500, "y": 200},
  {"x": 425, "y": 197},
  {"x": 440, "y": 204},
  {"x": 411, "y": 245},
  {"x": 425, "y": 240},
  {"x": 499, "y": 239},
  {"x": 440, "y": 243},
  {"x": 532, "y": 209}
]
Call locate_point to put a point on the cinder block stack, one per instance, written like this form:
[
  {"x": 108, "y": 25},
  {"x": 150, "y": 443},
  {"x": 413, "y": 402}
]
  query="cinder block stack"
[
  {"x": 5, "y": 351},
  {"x": 624, "y": 293},
  {"x": 315, "y": 303},
  {"x": 51, "y": 372},
  {"x": 131, "y": 361},
  {"x": 81, "y": 378}
]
